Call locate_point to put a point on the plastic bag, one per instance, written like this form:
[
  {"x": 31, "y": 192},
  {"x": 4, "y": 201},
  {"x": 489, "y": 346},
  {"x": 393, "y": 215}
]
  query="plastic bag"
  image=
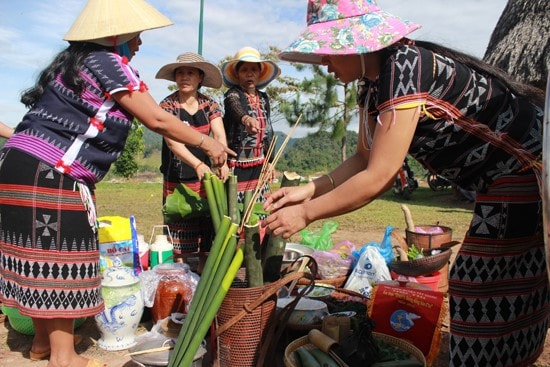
[
  {"x": 386, "y": 248},
  {"x": 118, "y": 244},
  {"x": 320, "y": 239},
  {"x": 151, "y": 278},
  {"x": 370, "y": 269},
  {"x": 331, "y": 265}
]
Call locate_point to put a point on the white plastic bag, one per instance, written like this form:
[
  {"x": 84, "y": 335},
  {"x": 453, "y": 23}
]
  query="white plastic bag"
[{"x": 370, "y": 269}]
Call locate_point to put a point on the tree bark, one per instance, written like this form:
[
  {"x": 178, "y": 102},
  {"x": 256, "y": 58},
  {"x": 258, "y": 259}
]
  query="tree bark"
[{"x": 520, "y": 42}]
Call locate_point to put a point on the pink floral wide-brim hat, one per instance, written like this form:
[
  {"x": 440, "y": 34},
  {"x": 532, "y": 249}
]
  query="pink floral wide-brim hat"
[{"x": 345, "y": 27}]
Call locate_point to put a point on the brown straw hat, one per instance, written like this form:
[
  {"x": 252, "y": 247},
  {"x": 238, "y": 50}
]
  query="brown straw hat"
[
  {"x": 212, "y": 74},
  {"x": 114, "y": 22}
]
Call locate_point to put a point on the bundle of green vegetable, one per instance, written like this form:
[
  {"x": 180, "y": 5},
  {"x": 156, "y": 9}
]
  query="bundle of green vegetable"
[{"x": 220, "y": 270}]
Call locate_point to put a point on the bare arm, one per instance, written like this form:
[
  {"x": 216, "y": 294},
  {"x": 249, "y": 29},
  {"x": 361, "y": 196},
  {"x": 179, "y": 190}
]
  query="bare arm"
[
  {"x": 5, "y": 130},
  {"x": 390, "y": 145},
  {"x": 324, "y": 184},
  {"x": 218, "y": 133},
  {"x": 350, "y": 166},
  {"x": 143, "y": 107},
  {"x": 181, "y": 151}
]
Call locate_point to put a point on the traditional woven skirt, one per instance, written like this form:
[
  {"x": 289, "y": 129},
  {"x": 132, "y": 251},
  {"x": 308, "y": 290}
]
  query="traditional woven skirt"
[
  {"x": 49, "y": 258},
  {"x": 247, "y": 180},
  {"x": 193, "y": 234},
  {"x": 498, "y": 287}
]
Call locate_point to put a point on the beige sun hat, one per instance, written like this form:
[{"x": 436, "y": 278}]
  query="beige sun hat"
[
  {"x": 269, "y": 70},
  {"x": 114, "y": 22},
  {"x": 212, "y": 74}
]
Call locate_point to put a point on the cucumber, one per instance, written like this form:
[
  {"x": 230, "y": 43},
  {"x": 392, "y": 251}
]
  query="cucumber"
[
  {"x": 324, "y": 359},
  {"x": 306, "y": 358}
]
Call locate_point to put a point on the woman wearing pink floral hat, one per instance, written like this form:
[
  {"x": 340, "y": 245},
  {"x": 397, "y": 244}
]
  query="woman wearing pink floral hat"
[{"x": 462, "y": 119}]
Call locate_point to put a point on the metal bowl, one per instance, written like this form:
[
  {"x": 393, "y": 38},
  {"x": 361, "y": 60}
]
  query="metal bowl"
[{"x": 293, "y": 251}]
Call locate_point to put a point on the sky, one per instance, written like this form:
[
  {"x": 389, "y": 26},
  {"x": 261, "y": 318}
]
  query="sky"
[{"x": 31, "y": 34}]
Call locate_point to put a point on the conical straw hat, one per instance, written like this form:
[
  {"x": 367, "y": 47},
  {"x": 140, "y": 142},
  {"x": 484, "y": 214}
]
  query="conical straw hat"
[{"x": 101, "y": 20}]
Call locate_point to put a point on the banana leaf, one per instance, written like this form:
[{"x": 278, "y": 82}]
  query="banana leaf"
[{"x": 184, "y": 203}]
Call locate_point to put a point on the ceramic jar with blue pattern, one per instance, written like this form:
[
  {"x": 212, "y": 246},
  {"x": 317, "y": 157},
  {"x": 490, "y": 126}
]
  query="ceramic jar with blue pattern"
[{"x": 121, "y": 292}]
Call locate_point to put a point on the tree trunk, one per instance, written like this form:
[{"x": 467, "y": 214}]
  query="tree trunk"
[{"x": 520, "y": 43}]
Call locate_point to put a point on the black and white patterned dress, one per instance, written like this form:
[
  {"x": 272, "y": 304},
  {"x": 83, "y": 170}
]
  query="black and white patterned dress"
[
  {"x": 477, "y": 133},
  {"x": 49, "y": 256}
]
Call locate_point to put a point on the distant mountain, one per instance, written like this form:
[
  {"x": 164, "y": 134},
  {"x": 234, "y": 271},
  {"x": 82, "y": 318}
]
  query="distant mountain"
[{"x": 312, "y": 154}]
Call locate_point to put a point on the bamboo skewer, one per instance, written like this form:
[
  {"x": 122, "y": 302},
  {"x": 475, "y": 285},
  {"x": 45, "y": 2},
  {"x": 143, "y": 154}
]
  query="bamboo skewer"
[
  {"x": 262, "y": 178},
  {"x": 152, "y": 350},
  {"x": 302, "y": 267}
]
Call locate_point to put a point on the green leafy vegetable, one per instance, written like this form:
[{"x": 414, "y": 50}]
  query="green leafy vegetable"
[
  {"x": 414, "y": 252},
  {"x": 184, "y": 203}
]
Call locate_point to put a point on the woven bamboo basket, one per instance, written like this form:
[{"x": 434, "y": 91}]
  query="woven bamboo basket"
[
  {"x": 290, "y": 358},
  {"x": 426, "y": 265},
  {"x": 240, "y": 345}
]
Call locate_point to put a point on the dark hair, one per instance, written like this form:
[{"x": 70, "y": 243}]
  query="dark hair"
[
  {"x": 534, "y": 94},
  {"x": 67, "y": 63}
]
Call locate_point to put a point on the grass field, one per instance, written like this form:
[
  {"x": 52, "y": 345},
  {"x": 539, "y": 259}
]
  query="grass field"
[{"x": 143, "y": 199}]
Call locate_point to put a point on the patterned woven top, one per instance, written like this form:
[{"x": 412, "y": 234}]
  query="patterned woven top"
[
  {"x": 472, "y": 129},
  {"x": 81, "y": 135}
]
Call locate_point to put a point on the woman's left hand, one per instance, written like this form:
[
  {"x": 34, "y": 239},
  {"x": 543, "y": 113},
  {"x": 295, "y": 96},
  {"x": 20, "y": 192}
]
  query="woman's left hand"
[
  {"x": 288, "y": 196},
  {"x": 223, "y": 172}
]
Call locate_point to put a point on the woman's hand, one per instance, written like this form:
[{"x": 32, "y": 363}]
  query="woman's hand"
[
  {"x": 223, "y": 172},
  {"x": 286, "y": 221},
  {"x": 216, "y": 151},
  {"x": 288, "y": 196},
  {"x": 251, "y": 125},
  {"x": 201, "y": 169}
]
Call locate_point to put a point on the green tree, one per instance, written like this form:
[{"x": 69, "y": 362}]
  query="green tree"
[
  {"x": 323, "y": 102},
  {"x": 315, "y": 153},
  {"x": 126, "y": 165}
]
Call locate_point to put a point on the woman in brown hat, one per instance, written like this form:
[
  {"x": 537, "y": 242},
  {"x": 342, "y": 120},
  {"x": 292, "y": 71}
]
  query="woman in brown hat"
[
  {"x": 463, "y": 119},
  {"x": 187, "y": 164},
  {"x": 247, "y": 117},
  {"x": 80, "y": 113}
]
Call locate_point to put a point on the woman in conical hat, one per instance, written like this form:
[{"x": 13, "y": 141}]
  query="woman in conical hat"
[
  {"x": 184, "y": 164},
  {"x": 463, "y": 119},
  {"x": 80, "y": 113},
  {"x": 247, "y": 117}
]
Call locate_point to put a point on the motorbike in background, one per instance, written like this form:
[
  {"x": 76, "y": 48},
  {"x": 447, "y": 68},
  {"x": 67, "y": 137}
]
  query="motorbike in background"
[
  {"x": 438, "y": 183},
  {"x": 405, "y": 182}
]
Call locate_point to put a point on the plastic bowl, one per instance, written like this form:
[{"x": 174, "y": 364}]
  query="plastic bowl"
[
  {"x": 320, "y": 290},
  {"x": 23, "y": 324}
]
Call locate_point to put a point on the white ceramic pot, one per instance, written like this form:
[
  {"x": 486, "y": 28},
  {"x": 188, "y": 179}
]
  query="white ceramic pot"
[{"x": 121, "y": 292}]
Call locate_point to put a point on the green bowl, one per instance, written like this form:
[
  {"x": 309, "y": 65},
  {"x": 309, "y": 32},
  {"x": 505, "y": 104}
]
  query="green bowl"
[{"x": 23, "y": 324}]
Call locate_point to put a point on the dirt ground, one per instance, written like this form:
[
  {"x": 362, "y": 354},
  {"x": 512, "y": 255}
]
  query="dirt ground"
[{"x": 14, "y": 347}]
